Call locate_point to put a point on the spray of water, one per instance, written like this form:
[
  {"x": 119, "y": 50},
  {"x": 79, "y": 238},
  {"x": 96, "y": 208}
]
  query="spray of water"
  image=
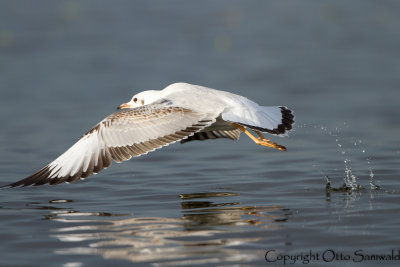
[
  {"x": 350, "y": 179},
  {"x": 371, "y": 173}
]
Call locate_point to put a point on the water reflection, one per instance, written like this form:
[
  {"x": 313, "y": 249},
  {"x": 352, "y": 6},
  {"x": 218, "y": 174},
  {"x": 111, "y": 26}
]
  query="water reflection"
[{"x": 203, "y": 235}]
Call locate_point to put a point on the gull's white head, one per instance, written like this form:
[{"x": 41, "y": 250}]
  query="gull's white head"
[{"x": 141, "y": 99}]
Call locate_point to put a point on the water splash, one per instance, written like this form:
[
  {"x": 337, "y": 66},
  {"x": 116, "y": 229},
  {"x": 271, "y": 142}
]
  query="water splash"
[
  {"x": 349, "y": 179},
  {"x": 371, "y": 174},
  {"x": 344, "y": 146}
]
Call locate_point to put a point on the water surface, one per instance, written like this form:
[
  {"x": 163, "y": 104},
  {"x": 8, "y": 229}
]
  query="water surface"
[{"x": 66, "y": 65}]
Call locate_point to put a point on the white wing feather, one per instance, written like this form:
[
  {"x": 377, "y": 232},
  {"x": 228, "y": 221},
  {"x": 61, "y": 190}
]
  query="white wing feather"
[{"x": 123, "y": 134}]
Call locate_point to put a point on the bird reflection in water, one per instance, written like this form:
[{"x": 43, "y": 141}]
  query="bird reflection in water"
[{"x": 208, "y": 232}]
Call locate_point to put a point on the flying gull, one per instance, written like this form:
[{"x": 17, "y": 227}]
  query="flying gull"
[{"x": 156, "y": 118}]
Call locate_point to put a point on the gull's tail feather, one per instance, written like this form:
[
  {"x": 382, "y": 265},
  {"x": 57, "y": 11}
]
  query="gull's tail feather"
[
  {"x": 281, "y": 117},
  {"x": 276, "y": 120}
]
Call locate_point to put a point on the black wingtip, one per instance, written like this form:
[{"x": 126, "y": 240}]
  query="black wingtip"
[
  {"x": 5, "y": 186},
  {"x": 34, "y": 179},
  {"x": 13, "y": 185}
]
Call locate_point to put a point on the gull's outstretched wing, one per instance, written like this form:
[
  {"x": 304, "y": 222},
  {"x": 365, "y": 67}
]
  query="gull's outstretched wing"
[
  {"x": 205, "y": 135},
  {"x": 123, "y": 134}
]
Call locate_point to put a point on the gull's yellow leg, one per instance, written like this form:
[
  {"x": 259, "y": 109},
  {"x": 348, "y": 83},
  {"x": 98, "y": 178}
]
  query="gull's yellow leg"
[
  {"x": 262, "y": 141},
  {"x": 278, "y": 146}
]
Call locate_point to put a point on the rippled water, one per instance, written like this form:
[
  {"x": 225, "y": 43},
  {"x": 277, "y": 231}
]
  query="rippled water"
[{"x": 66, "y": 65}]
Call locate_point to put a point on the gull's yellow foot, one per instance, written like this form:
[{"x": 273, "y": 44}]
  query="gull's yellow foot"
[
  {"x": 268, "y": 143},
  {"x": 262, "y": 141}
]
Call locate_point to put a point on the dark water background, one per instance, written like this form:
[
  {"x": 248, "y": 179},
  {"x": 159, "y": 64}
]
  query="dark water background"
[{"x": 65, "y": 65}]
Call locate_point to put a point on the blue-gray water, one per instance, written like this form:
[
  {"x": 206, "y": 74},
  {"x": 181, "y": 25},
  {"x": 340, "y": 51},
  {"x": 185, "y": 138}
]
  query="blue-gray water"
[{"x": 65, "y": 65}]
